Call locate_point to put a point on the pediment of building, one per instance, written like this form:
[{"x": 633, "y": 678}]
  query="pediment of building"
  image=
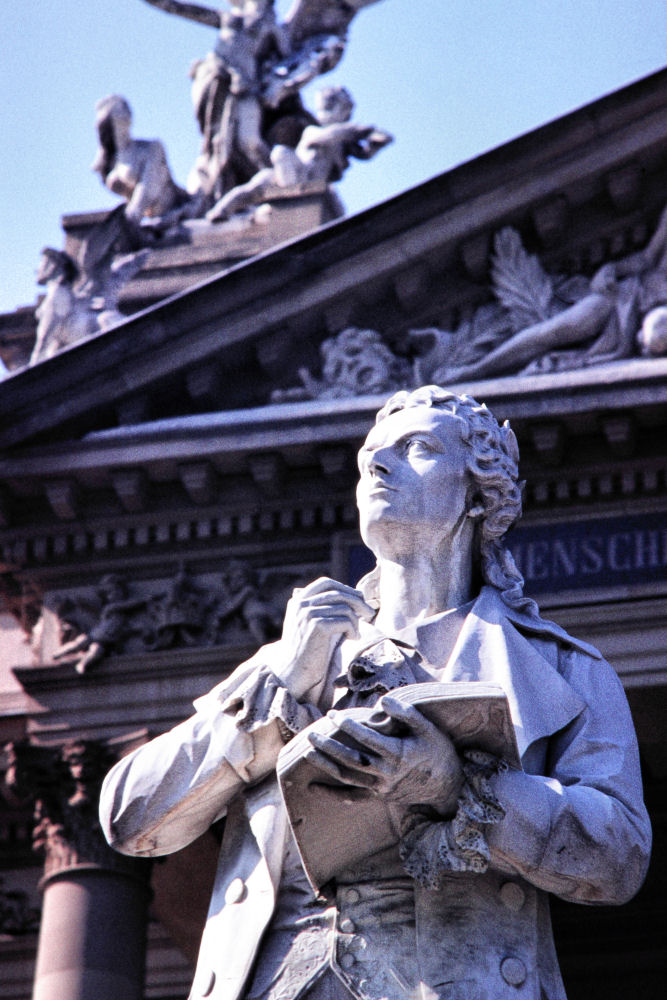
[{"x": 581, "y": 191}]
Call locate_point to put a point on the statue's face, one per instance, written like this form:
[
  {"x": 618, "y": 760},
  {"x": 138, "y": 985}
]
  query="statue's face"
[
  {"x": 48, "y": 268},
  {"x": 414, "y": 478},
  {"x": 332, "y": 107}
]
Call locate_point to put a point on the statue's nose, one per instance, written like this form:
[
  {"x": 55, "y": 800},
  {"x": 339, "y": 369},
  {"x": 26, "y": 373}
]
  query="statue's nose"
[{"x": 380, "y": 461}]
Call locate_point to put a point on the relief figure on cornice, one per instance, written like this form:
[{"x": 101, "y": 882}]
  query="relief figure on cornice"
[
  {"x": 243, "y": 605},
  {"x": 557, "y": 324},
  {"x": 177, "y": 617},
  {"x": 100, "y": 626},
  {"x": 17, "y": 914}
]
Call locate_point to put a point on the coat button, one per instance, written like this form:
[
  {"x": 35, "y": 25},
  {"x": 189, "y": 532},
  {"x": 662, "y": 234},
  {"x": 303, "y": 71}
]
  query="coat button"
[
  {"x": 236, "y": 891},
  {"x": 352, "y": 896},
  {"x": 513, "y": 971},
  {"x": 346, "y": 925},
  {"x": 512, "y": 896},
  {"x": 347, "y": 960}
]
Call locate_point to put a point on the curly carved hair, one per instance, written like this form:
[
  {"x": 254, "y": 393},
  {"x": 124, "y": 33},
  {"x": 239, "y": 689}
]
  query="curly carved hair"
[{"x": 493, "y": 464}]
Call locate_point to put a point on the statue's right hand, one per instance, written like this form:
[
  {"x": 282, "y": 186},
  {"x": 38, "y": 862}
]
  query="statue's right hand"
[{"x": 316, "y": 619}]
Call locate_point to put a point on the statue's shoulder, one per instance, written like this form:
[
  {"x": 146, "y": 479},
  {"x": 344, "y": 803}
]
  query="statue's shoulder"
[{"x": 529, "y": 621}]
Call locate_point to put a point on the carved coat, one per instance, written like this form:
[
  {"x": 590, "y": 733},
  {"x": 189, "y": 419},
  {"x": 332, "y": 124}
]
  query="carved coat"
[{"x": 575, "y": 822}]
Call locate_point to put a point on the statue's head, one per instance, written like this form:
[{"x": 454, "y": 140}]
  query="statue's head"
[
  {"x": 333, "y": 105},
  {"x": 113, "y": 119},
  {"x": 450, "y": 462},
  {"x": 112, "y": 587},
  {"x": 652, "y": 336},
  {"x": 54, "y": 264},
  {"x": 113, "y": 107}
]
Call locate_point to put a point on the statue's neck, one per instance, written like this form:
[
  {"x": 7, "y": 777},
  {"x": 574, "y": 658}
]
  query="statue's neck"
[{"x": 425, "y": 585}]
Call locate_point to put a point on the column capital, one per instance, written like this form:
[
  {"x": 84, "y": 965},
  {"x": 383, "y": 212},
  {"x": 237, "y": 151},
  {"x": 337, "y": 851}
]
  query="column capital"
[{"x": 64, "y": 784}]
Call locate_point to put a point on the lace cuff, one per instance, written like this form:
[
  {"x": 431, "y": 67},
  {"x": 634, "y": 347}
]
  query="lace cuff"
[
  {"x": 261, "y": 698},
  {"x": 430, "y": 847}
]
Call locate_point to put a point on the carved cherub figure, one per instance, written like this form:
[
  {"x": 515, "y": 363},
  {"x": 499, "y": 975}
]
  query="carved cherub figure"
[
  {"x": 322, "y": 154},
  {"x": 109, "y": 628},
  {"x": 243, "y": 600},
  {"x": 178, "y": 615}
]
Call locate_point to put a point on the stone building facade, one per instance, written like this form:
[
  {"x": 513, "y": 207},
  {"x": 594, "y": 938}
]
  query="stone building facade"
[{"x": 165, "y": 485}]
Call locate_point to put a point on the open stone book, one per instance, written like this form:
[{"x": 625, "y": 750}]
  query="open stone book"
[{"x": 337, "y": 825}]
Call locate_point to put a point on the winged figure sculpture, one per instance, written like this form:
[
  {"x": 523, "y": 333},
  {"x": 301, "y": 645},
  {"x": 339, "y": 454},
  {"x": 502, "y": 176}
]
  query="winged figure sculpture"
[{"x": 246, "y": 91}]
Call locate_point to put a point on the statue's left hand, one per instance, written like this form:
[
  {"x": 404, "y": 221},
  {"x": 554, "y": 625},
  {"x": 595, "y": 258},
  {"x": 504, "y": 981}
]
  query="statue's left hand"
[{"x": 421, "y": 767}]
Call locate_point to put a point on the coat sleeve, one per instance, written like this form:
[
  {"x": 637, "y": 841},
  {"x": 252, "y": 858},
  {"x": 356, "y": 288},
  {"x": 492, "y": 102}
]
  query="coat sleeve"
[
  {"x": 168, "y": 792},
  {"x": 581, "y": 830}
]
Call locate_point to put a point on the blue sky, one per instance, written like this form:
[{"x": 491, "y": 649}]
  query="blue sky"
[{"x": 449, "y": 78}]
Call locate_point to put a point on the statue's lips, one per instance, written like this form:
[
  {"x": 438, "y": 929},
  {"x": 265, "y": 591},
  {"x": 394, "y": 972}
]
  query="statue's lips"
[{"x": 381, "y": 488}]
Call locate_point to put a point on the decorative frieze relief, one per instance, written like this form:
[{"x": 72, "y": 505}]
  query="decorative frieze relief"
[
  {"x": 234, "y": 605},
  {"x": 93, "y": 628},
  {"x": 537, "y": 322},
  {"x": 354, "y": 363}
]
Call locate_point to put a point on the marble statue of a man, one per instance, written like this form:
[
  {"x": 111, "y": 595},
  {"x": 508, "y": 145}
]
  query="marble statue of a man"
[{"x": 457, "y": 909}]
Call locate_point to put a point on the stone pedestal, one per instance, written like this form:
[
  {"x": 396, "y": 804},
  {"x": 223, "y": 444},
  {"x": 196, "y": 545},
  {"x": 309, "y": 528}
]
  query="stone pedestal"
[{"x": 197, "y": 249}]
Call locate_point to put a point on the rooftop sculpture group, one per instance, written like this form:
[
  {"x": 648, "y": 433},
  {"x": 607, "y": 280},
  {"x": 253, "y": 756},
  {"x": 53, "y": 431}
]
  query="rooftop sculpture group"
[
  {"x": 321, "y": 155},
  {"x": 246, "y": 90},
  {"x": 259, "y": 141},
  {"x": 257, "y": 136}
]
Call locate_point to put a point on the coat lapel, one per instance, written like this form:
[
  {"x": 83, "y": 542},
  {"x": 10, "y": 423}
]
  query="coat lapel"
[{"x": 490, "y": 648}]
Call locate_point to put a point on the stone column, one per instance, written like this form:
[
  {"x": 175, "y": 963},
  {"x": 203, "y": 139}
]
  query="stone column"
[{"x": 92, "y": 938}]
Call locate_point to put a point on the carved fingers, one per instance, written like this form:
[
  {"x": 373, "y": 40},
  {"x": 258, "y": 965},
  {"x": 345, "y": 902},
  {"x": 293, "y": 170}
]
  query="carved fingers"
[
  {"x": 317, "y": 618},
  {"x": 420, "y": 767}
]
